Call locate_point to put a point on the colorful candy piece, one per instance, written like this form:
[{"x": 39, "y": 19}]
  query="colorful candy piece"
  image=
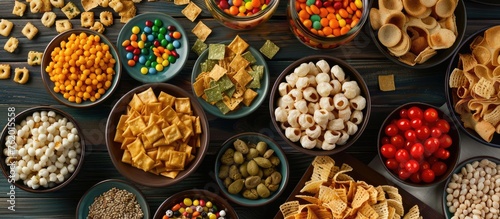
[{"x": 197, "y": 208}]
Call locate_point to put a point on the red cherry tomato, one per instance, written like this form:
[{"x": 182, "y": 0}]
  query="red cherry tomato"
[
  {"x": 423, "y": 132},
  {"x": 445, "y": 141},
  {"x": 403, "y": 124},
  {"x": 402, "y": 155},
  {"x": 431, "y": 145},
  {"x": 436, "y": 132},
  {"x": 388, "y": 150},
  {"x": 416, "y": 123},
  {"x": 424, "y": 165},
  {"x": 392, "y": 164},
  {"x": 442, "y": 153},
  {"x": 431, "y": 115},
  {"x": 398, "y": 141},
  {"x": 415, "y": 112},
  {"x": 417, "y": 151},
  {"x": 415, "y": 178},
  {"x": 443, "y": 125},
  {"x": 385, "y": 140},
  {"x": 439, "y": 168},
  {"x": 412, "y": 166},
  {"x": 391, "y": 130},
  {"x": 403, "y": 174},
  {"x": 410, "y": 135},
  {"x": 403, "y": 113},
  {"x": 431, "y": 160},
  {"x": 427, "y": 175}
]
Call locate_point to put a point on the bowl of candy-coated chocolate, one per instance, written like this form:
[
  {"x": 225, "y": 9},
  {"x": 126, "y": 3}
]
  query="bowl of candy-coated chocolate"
[
  {"x": 153, "y": 46},
  {"x": 201, "y": 204},
  {"x": 252, "y": 13},
  {"x": 326, "y": 24}
]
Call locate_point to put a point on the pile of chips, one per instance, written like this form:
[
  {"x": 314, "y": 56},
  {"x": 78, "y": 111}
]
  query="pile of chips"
[{"x": 331, "y": 193}]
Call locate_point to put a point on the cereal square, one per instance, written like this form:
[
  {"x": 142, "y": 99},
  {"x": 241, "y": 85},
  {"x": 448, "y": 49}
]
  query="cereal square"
[
  {"x": 5, "y": 27},
  {"x": 36, "y": 6},
  {"x": 87, "y": 19},
  {"x": 106, "y": 18},
  {"x": 4, "y": 71},
  {"x": 386, "y": 82},
  {"x": 57, "y": 3},
  {"x": 34, "y": 58},
  {"x": 21, "y": 75},
  {"x": 63, "y": 25},
  {"x": 29, "y": 30},
  {"x": 269, "y": 49},
  {"x": 98, "y": 26},
  {"x": 70, "y": 10},
  {"x": 49, "y": 18},
  {"x": 11, "y": 44},
  {"x": 19, "y": 8}
]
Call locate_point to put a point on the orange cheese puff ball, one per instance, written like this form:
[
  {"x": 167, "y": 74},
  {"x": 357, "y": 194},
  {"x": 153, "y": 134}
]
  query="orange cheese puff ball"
[
  {"x": 81, "y": 68},
  {"x": 329, "y": 18}
]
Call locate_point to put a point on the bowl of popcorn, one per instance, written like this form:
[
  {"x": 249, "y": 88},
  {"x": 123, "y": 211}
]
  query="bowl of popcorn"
[
  {"x": 417, "y": 34},
  {"x": 153, "y": 46},
  {"x": 473, "y": 189},
  {"x": 419, "y": 144},
  {"x": 80, "y": 68},
  {"x": 470, "y": 86},
  {"x": 320, "y": 105},
  {"x": 230, "y": 79},
  {"x": 113, "y": 198},
  {"x": 157, "y": 134},
  {"x": 195, "y": 203},
  {"x": 242, "y": 15},
  {"x": 42, "y": 149}
]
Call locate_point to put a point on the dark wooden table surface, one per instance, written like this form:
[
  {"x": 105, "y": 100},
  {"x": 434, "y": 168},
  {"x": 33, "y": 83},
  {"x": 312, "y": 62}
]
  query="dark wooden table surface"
[{"x": 411, "y": 85}]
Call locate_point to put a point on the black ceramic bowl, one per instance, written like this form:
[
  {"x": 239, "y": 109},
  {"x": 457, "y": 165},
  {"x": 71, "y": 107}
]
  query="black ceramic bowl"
[
  {"x": 451, "y": 93},
  {"x": 442, "y": 55},
  {"x": 351, "y": 74},
  {"x": 8, "y": 134},
  {"x": 454, "y": 148}
]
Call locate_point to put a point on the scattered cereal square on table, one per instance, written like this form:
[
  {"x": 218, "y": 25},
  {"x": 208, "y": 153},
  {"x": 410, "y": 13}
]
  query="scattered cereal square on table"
[
  {"x": 48, "y": 19},
  {"x": 19, "y": 8},
  {"x": 181, "y": 2},
  {"x": 4, "y": 71},
  {"x": 191, "y": 11},
  {"x": 11, "y": 44},
  {"x": 57, "y": 3},
  {"x": 34, "y": 58},
  {"x": 269, "y": 49},
  {"x": 90, "y": 4},
  {"x": 70, "y": 10},
  {"x": 201, "y": 30},
  {"x": 36, "y": 6},
  {"x": 21, "y": 75},
  {"x": 5, "y": 27},
  {"x": 386, "y": 82},
  {"x": 87, "y": 19},
  {"x": 106, "y": 18},
  {"x": 29, "y": 30},
  {"x": 63, "y": 25}
]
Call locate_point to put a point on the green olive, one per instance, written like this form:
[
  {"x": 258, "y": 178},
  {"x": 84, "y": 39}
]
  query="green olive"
[
  {"x": 252, "y": 153},
  {"x": 223, "y": 171},
  {"x": 252, "y": 168},
  {"x": 251, "y": 194},
  {"x": 252, "y": 182},
  {"x": 238, "y": 157},
  {"x": 241, "y": 146},
  {"x": 263, "y": 191},
  {"x": 236, "y": 186},
  {"x": 228, "y": 157},
  {"x": 262, "y": 147},
  {"x": 234, "y": 172},
  {"x": 263, "y": 162},
  {"x": 268, "y": 153}
]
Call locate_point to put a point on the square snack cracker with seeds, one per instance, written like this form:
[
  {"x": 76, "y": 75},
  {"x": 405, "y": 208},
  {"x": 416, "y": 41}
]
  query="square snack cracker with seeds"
[
  {"x": 201, "y": 30},
  {"x": 191, "y": 11},
  {"x": 70, "y": 10}
]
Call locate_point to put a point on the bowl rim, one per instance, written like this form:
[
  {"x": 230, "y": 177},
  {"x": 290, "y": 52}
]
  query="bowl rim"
[
  {"x": 121, "y": 183},
  {"x": 425, "y": 65},
  {"x": 457, "y": 150},
  {"x": 464, "y": 45},
  {"x": 116, "y": 160},
  {"x": 256, "y": 103},
  {"x": 284, "y": 163},
  {"x": 456, "y": 170},
  {"x": 181, "y": 61},
  {"x": 350, "y": 71},
  {"x": 84, "y": 104},
  {"x": 197, "y": 192},
  {"x": 25, "y": 113}
]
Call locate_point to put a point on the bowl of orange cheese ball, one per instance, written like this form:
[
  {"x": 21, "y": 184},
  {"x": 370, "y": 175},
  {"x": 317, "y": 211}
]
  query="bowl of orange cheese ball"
[{"x": 80, "y": 68}]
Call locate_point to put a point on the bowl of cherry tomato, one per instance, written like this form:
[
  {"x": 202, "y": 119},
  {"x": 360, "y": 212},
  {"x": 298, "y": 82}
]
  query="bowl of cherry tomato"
[{"x": 419, "y": 144}]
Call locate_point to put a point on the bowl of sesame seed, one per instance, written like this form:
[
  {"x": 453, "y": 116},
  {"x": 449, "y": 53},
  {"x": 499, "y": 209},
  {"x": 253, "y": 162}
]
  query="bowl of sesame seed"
[{"x": 113, "y": 198}]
